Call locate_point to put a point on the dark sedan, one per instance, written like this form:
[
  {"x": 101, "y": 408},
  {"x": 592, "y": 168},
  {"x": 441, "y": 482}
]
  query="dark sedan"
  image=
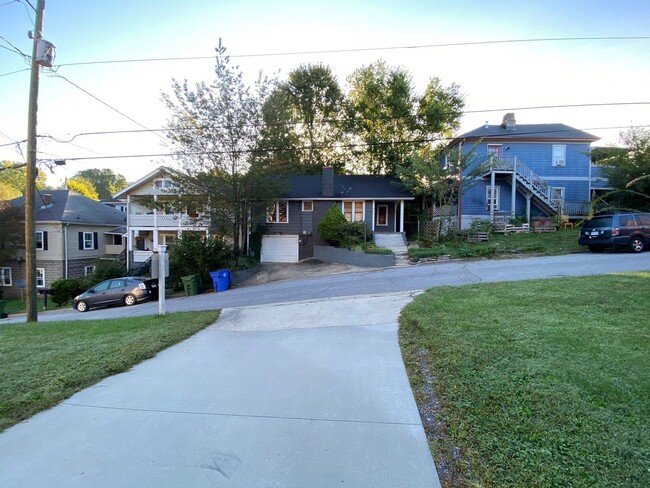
[{"x": 116, "y": 291}]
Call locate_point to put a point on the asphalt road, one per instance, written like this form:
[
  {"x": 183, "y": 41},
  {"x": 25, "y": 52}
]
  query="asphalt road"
[{"x": 386, "y": 280}]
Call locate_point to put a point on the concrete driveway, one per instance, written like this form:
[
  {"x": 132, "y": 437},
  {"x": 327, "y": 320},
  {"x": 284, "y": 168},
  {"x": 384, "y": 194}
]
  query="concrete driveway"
[{"x": 303, "y": 394}]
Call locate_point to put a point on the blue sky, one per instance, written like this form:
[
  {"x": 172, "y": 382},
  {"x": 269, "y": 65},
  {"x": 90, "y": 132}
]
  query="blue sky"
[{"x": 499, "y": 77}]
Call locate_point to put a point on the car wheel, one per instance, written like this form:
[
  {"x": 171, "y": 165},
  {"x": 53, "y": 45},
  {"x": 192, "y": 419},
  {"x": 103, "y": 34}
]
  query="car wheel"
[
  {"x": 596, "y": 248},
  {"x": 129, "y": 300},
  {"x": 637, "y": 244},
  {"x": 82, "y": 306}
]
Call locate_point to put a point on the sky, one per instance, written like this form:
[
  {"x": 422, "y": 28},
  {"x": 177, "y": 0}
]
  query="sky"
[{"x": 495, "y": 78}]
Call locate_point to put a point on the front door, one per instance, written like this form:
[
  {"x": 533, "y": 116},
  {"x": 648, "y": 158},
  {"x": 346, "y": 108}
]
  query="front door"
[{"x": 494, "y": 150}]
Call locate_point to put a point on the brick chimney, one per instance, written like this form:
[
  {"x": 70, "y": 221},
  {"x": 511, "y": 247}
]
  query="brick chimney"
[
  {"x": 509, "y": 122},
  {"x": 328, "y": 181}
]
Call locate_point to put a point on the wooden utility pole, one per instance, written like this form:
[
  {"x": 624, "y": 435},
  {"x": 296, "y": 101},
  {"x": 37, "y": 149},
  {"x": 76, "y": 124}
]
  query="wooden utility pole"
[{"x": 30, "y": 183}]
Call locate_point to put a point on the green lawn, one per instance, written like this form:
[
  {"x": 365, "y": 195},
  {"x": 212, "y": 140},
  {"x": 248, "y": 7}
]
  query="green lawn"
[
  {"x": 16, "y": 305},
  {"x": 46, "y": 362},
  {"x": 535, "y": 383},
  {"x": 499, "y": 245}
]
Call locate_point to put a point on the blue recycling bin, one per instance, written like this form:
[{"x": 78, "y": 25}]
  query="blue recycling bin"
[{"x": 221, "y": 279}]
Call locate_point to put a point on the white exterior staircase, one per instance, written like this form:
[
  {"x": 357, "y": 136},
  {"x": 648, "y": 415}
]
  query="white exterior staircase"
[{"x": 396, "y": 242}]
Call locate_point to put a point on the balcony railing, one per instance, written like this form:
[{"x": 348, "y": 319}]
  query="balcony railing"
[{"x": 167, "y": 221}]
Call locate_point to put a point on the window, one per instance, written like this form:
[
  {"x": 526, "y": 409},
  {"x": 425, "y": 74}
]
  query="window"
[
  {"x": 103, "y": 286},
  {"x": 557, "y": 195},
  {"x": 494, "y": 150},
  {"x": 88, "y": 240},
  {"x": 88, "y": 270},
  {"x": 382, "y": 214},
  {"x": 5, "y": 276},
  {"x": 559, "y": 155},
  {"x": 488, "y": 199},
  {"x": 41, "y": 240},
  {"x": 278, "y": 213},
  {"x": 117, "y": 284},
  {"x": 163, "y": 184},
  {"x": 353, "y": 211},
  {"x": 307, "y": 206},
  {"x": 40, "y": 277}
]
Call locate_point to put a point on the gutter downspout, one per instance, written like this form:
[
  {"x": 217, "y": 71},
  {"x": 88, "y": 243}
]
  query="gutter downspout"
[{"x": 65, "y": 250}]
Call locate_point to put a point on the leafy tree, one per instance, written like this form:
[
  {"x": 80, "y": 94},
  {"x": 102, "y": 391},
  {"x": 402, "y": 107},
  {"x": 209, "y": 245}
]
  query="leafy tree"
[
  {"x": 331, "y": 226},
  {"x": 83, "y": 186},
  {"x": 192, "y": 254},
  {"x": 628, "y": 171},
  {"x": 216, "y": 134},
  {"x": 12, "y": 237},
  {"x": 12, "y": 180},
  {"x": 392, "y": 121},
  {"x": 105, "y": 181}
]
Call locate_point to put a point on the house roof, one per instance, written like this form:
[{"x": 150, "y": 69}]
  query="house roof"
[
  {"x": 160, "y": 170},
  {"x": 72, "y": 207},
  {"x": 528, "y": 132},
  {"x": 308, "y": 187}
]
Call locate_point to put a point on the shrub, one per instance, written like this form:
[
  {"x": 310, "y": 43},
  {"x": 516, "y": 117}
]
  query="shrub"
[
  {"x": 105, "y": 269},
  {"x": 192, "y": 254},
  {"x": 330, "y": 229},
  {"x": 64, "y": 290}
]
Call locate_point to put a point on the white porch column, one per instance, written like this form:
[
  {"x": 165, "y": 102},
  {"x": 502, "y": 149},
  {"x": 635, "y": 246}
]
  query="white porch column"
[
  {"x": 491, "y": 202},
  {"x": 401, "y": 216},
  {"x": 513, "y": 196},
  {"x": 528, "y": 196},
  {"x": 372, "y": 226}
]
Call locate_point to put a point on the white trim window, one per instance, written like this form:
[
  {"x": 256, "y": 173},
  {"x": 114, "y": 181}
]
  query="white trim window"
[
  {"x": 40, "y": 240},
  {"x": 163, "y": 184},
  {"x": 559, "y": 155},
  {"x": 353, "y": 211},
  {"x": 382, "y": 215},
  {"x": 307, "y": 206},
  {"x": 89, "y": 242},
  {"x": 278, "y": 213},
  {"x": 40, "y": 277},
  {"x": 88, "y": 270},
  {"x": 5, "y": 277},
  {"x": 497, "y": 197}
]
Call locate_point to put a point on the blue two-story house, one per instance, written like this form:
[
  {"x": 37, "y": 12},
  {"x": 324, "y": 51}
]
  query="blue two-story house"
[{"x": 525, "y": 170}]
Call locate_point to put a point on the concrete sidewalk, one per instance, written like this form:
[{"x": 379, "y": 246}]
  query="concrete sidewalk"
[{"x": 306, "y": 394}]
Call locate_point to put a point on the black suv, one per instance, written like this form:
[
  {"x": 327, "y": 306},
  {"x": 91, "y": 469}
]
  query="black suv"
[{"x": 631, "y": 230}]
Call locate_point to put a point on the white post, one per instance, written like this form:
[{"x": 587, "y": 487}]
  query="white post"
[
  {"x": 161, "y": 278},
  {"x": 401, "y": 216}
]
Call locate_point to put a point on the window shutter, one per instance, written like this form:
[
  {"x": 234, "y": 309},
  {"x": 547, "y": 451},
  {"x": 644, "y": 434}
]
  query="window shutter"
[
  {"x": 44, "y": 240},
  {"x": 81, "y": 241},
  {"x": 95, "y": 240}
]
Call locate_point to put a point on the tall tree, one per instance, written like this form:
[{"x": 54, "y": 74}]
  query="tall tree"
[
  {"x": 105, "y": 181},
  {"x": 216, "y": 133},
  {"x": 83, "y": 186},
  {"x": 301, "y": 117},
  {"x": 12, "y": 180},
  {"x": 12, "y": 236},
  {"x": 628, "y": 171}
]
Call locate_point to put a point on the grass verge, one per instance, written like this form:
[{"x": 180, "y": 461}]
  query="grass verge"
[
  {"x": 536, "y": 383},
  {"x": 46, "y": 362}
]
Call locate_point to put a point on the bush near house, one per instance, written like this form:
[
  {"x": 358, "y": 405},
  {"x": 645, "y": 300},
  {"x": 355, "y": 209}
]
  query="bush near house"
[
  {"x": 192, "y": 254},
  {"x": 338, "y": 232}
]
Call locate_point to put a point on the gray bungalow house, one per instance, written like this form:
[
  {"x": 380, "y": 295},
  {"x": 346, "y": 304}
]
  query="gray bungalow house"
[
  {"x": 72, "y": 231},
  {"x": 292, "y": 223}
]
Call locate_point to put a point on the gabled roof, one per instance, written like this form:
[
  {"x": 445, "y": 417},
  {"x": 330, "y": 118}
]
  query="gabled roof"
[
  {"x": 160, "y": 170},
  {"x": 347, "y": 187},
  {"x": 72, "y": 207},
  {"x": 528, "y": 132}
]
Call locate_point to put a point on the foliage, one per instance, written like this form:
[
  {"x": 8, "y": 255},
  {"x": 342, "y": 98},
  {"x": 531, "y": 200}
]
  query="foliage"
[
  {"x": 105, "y": 269},
  {"x": 330, "y": 227},
  {"x": 215, "y": 131},
  {"x": 628, "y": 171},
  {"x": 45, "y": 363},
  {"x": 383, "y": 108},
  {"x": 371, "y": 248},
  {"x": 12, "y": 237},
  {"x": 64, "y": 290},
  {"x": 105, "y": 181},
  {"x": 301, "y": 116},
  {"x": 520, "y": 390},
  {"x": 12, "y": 180},
  {"x": 82, "y": 185},
  {"x": 192, "y": 254}
]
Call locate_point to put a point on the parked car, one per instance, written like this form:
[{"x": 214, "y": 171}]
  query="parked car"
[
  {"x": 116, "y": 291},
  {"x": 631, "y": 230}
]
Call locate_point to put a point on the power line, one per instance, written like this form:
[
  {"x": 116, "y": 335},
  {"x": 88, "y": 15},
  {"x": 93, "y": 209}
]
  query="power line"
[
  {"x": 15, "y": 49},
  {"x": 13, "y": 72},
  {"x": 107, "y": 105},
  {"x": 336, "y": 146},
  {"x": 350, "y": 50},
  {"x": 395, "y": 117}
]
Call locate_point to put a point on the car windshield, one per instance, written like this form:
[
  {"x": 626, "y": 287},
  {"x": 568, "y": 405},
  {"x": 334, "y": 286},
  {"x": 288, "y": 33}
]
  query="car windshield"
[{"x": 598, "y": 222}]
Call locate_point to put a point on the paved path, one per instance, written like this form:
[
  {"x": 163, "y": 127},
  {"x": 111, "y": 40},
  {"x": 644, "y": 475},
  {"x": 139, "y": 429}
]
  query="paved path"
[{"x": 306, "y": 394}]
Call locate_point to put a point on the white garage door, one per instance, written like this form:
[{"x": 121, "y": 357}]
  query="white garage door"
[{"x": 280, "y": 249}]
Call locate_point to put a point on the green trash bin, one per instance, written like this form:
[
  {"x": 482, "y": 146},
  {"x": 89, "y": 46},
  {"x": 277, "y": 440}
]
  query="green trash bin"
[
  {"x": 3, "y": 315},
  {"x": 191, "y": 284}
]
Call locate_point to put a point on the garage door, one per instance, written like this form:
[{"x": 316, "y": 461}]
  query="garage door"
[{"x": 280, "y": 249}]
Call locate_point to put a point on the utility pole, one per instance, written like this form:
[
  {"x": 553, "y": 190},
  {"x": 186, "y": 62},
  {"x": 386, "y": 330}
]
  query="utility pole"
[{"x": 30, "y": 183}]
